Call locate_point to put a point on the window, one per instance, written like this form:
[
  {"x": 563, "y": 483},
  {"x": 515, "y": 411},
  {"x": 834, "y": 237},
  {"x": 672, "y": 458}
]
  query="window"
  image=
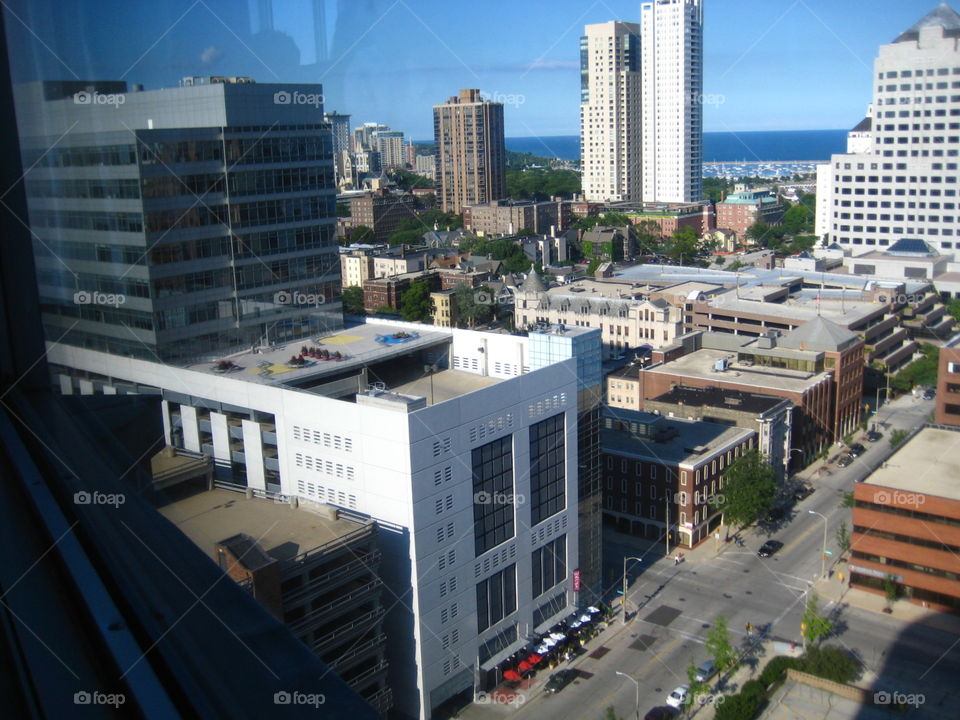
[
  {"x": 496, "y": 597},
  {"x": 493, "y": 494},
  {"x": 549, "y": 565},
  {"x": 547, "y": 468}
]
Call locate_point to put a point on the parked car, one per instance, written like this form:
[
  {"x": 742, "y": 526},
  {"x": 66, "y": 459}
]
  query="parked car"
[
  {"x": 845, "y": 460},
  {"x": 857, "y": 449},
  {"x": 770, "y": 547},
  {"x": 559, "y": 680},
  {"x": 802, "y": 493},
  {"x": 705, "y": 671},
  {"x": 929, "y": 394},
  {"x": 678, "y": 697},
  {"x": 660, "y": 713},
  {"x": 874, "y": 435}
]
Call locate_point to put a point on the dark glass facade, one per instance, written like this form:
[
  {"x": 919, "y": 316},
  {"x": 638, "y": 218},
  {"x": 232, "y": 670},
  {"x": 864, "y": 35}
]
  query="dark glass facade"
[
  {"x": 493, "y": 500},
  {"x": 549, "y": 565},
  {"x": 547, "y": 468},
  {"x": 496, "y": 597}
]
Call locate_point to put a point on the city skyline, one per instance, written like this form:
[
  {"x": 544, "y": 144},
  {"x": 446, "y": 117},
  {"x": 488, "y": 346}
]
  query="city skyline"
[{"x": 428, "y": 54}]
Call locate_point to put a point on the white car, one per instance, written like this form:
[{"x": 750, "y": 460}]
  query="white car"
[{"x": 678, "y": 697}]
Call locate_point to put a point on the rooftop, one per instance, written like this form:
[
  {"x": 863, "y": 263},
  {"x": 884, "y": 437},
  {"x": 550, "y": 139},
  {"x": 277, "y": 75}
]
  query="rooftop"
[
  {"x": 843, "y": 309},
  {"x": 933, "y": 459},
  {"x": 941, "y": 16},
  {"x": 719, "y": 397},
  {"x": 282, "y": 531},
  {"x": 686, "y": 443},
  {"x": 700, "y": 365}
]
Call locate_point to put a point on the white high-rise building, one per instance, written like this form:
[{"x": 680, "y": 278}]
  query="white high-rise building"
[
  {"x": 389, "y": 143},
  {"x": 671, "y": 100},
  {"x": 903, "y": 185},
  {"x": 610, "y": 111}
]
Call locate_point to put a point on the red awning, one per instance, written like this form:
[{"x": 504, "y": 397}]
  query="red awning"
[
  {"x": 511, "y": 675},
  {"x": 524, "y": 666},
  {"x": 533, "y": 659}
]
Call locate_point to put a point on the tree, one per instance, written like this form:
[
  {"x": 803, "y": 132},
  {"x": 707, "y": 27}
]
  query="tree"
[
  {"x": 406, "y": 237},
  {"x": 897, "y": 437},
  {"x": 813, "y": 625},
  {"x": 648, "y": 237},
  {"x": 362, "y": 234},
  {"x": 890, "y": 589},
  {"x": 847, "y": 501},
  {"x": 682, "y": 245},
  {"x": 353, "y": 301},
  {"x": 696, "y": 687},
  {"x": 611, "y": 714},
  {"x": 718, "y": 645},
  {"x": 798, "y": 219},
  {"x": 749, "y": 489},
  {"x": 843, "y": 538},
  {"x": 416, "y": 305},
  {"x": 953, "y": 307},
  {"x": 343, "y": 209},
  {"x": 407, "y": 180},
  {"x": 468, "y": 308}
]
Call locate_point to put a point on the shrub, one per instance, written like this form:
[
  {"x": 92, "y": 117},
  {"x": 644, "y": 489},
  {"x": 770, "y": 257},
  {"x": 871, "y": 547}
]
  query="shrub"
[
  {"x": 776, "y": 668},
  {"x": 737, "y": 707},
  {"x": 754, "y": 690},
  {"x": 831, "y": 663}
]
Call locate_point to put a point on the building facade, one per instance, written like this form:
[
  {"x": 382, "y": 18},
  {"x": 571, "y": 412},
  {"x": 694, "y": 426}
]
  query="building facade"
[
  {"x": 610, "y": 111},
  {"x": 393, "y": 153},
  {"x": 380, "y": 210},
  {"x": 741, "y": 209},
  {"x": 905, "y": 185},
  {"x": 471, "y": 157},
  {"x": 509, "y": 217},
  {"x": 672, "y": 100},
  {"x": 947, "y": 411},
  {"x": 180, "y": 221}
]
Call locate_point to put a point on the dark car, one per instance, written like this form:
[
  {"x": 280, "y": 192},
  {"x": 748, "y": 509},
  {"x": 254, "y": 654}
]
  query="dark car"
[
  {"x": 845, "y": 460},
  {"x": 660, "y": 713},
  {"x": 802, "y": 493},
  {"x": 874, "y": 435},
  {"x": 857, "y": 449},
  {"x": 559, "y": 680},
  {"x": 769, "y": 548},
  {"x": 929, "y": 394}
]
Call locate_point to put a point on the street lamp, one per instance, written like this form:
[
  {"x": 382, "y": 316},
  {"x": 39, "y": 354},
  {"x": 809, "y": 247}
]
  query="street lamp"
[
  {"x": 628, "y": 557},
  {"x": 637, "y": 684},
  {"x": 823, "y": 554}
]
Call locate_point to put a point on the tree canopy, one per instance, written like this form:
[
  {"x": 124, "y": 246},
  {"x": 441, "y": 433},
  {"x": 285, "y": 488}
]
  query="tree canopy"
[
  {"x": 408, "y": 180},
  {"x": 813, "y": 625},
  {"x": 352, "y": 298},
  {"x": 718, "y": 644},
  {"x": 416, "y": 305},
  {"x": 749, "y": 489},
  {"x": 468, "y": 306},
  {"x": 542, "y": 183}
]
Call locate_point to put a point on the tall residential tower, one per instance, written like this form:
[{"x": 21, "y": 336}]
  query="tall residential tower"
[
  {"x": 671, "y": 90},
  {"x": 610, "y": 111},
  {"x": 471, "y": 158}
]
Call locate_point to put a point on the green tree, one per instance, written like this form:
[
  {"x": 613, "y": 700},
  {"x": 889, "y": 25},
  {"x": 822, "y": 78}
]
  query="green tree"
[
  {"x": 830, "y": 663},
  {"x": 749, "y": 489},
  {"x": 362, "y": 234},
  {"x": 718, "y": 645},
  {"x": 648, "y": 238},
  {"x": 953, "y": 307},
  {"x": 843, "y": 538},
  {"x": 847, "y": 501},
  {"x": 407, "y": 180},
  {"x": 814, "y": 626},
  {"x": 890, "y": 588},
  {"x": 353, "y": 301},
  {"x": 798, "y": 219},
  {"x": 406, "y": 237},
  {"x": 922, "y": 371},
  {"x": 696, "y": 687},
  {"x": 611, "y": 714},
  {"x": 416, "y": 305},
  {"x": 897, "y": 437},
  {"x": 343, "y": 209},
  {"x": 468, "y": 308},
  {"x": 683, "y": 246}
]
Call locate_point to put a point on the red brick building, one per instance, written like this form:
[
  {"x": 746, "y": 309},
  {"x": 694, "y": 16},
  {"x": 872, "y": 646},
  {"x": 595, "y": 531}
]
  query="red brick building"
[
  {"x": 745, "y": 207},
  {"x": 948, "y": 384}
]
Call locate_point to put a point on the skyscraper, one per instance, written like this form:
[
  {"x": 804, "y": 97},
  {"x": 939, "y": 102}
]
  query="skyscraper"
[
  {"x": 389, "y": 143},
  {"x": 183, "y": 222},
  {"x": 471, "y": 158},
  {"x": 610, "y": 111},
  {"x": 340, "y": 127},
  {"x": 672, "y": 89},
  {"x": 904, "y": 183}
]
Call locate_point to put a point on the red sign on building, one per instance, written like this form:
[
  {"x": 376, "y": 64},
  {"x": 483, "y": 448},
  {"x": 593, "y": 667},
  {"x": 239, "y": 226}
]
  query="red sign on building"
[{"x": 576, "y": 580}]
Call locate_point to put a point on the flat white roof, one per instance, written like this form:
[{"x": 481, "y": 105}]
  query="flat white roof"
[{"x": 929, "y": 463}]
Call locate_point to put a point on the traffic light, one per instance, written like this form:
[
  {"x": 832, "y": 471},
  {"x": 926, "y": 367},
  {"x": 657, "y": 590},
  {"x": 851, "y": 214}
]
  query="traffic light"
[{"x": 803, "y": 629}]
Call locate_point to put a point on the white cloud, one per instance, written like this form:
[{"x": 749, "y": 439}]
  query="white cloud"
[{"x": 210, "y": 54}]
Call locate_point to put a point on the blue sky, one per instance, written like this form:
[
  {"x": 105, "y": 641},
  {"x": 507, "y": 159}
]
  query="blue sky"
[{"x": 778, "y": 64}]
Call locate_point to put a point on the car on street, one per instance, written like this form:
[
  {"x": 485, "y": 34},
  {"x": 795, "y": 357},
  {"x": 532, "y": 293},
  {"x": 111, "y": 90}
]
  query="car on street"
[
  {"x": 660, "y": 713},
  {"x": 705, "y": 671},
  {"x": 770, "y": 547},
  {"x": 559, "y": 680},
  {"x": 857, "y": 449},
  {"x": 802, "y": 493},
  {"x": 678, "y": 697},
  {"x": 929, "y": 395},
  {"x": 845, "y": 460},
  {"x": 874, "y": 435}
]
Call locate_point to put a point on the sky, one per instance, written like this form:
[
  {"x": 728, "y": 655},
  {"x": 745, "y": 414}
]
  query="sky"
[{"x": 768, "y": 64}]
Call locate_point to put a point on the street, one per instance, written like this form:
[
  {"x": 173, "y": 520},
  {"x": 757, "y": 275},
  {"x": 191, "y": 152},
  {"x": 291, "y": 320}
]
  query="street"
[{"x": 671, "y": 607}]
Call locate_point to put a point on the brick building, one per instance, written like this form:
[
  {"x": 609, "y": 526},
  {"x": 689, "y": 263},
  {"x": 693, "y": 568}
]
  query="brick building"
[
  {"x": 381, "y": 211},
  {"x": 906, "y": 523},
  {"x": 948, "y": 384},
  {"x": 660, "y": 473},
  {"x": 508, "y": 217},
  {"x": 744, "y": 207}
]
